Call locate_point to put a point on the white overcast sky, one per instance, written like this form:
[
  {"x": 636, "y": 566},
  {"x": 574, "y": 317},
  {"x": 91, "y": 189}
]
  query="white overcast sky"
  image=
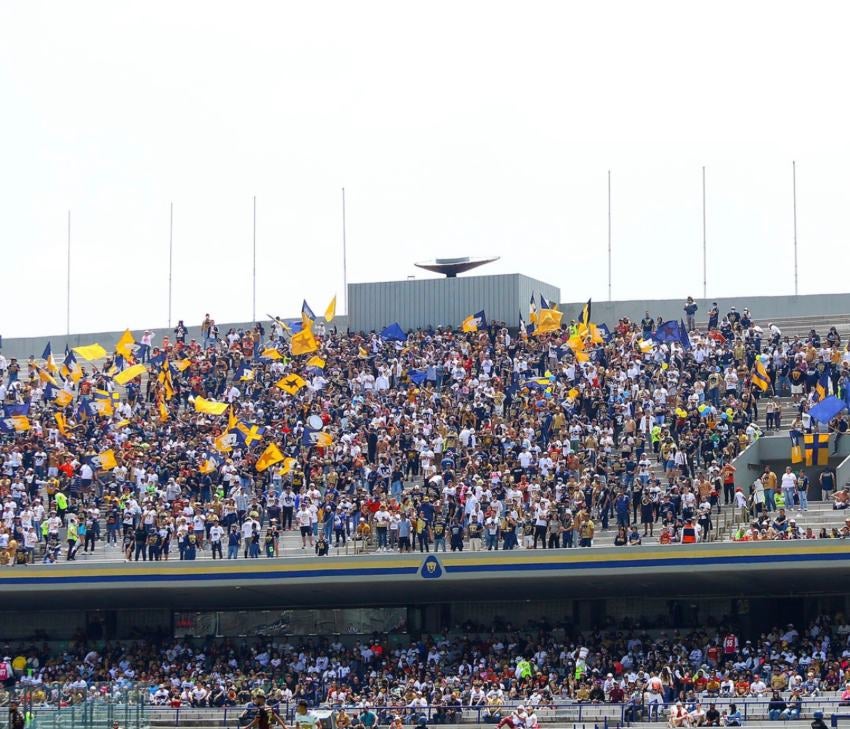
[{"x": 457, "y": 128}]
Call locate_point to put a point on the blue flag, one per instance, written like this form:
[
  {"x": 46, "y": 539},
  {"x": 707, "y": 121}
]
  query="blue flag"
[
  {"x": 667, "y": 332},
  {"x": 19, "y": 409},
  {"x": 47, "y": 353},
  {"x": 827, "y": 409},
  {"x": 480, "y": 319},
  {"x": 543, "y": 303},
  {"x": 684, "y": 338},
  {"x": 310, "y": 437},
  {"x": 394, "y": 332},
  {"x": 417, "y": 377},
  {"x": 604, "y": 331}
]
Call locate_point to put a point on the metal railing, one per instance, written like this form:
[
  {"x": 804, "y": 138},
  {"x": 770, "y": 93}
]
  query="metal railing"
[{"x": 560, "y": 712}]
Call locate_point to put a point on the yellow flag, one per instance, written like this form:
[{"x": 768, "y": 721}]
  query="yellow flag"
[
  {"x": 107, "y": 460},
  {"x": 271, "y": 353},
  {"x": 303, "y": 343},
  {"x": 75, "y": 373},
  {"x": 232, "y": 420},
  {"x": 122, "y": 423},
  {"x": 61, "y": 423},
  {"x": 291, "y": 383},
  {"x": 280, "y": 322},
  {"x": 316, "y": 361},
  {"x": 224, "y": 442},
  {"x": 572, "y": 394},
  {"x": 21, "y": 423},
  {"x": 470, "y": 324},
  {"x": 330, "y": 312},
  {"x": 208, "y": 466},
  {"x": 131, "y": 373},
  {"x": 646, "y": 345},
  {"x": 182, "y": 364},
  {"x": 163, "y": 412},
  {"x": 91, "y": 352},
  {"x": 210, "y": 407},
  {"x": 548, "y": 320},
  {"x": 63, "y": 398},
  {"x": 271, "y": 455},
  {"x": 45, "y": 376},
  {"x": 288, "y": 463},
  {"x": 324, "y": 439},
  {"x": 104, "y": 407},
  {"x": 362, "y": 353},
  {"x": 124, "y": 346}
]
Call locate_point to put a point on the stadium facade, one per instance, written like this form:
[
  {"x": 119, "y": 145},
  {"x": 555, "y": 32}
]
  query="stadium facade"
[{"x": 758, "y": 585}]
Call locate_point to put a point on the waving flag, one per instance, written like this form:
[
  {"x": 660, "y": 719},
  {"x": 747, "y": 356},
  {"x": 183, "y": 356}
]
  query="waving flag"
[
  {"x": 417, "y": 377},
  {"x": 330, "y": 312},
  {"x": 124, "y": 346},
  {"x": 49, "y": 362},
  {"x": 548, "y": 320},
  {"x": 131, "y": 373},
  {"x": 759, "y": 376},
  {"x": 827, "y": 409},
  {"x": 684, "y": 338},
  {"x": 248, "y": 435},
  {"x": 307, "y": 311},
  {"x": 270, "y": 456},
  {"x": 822, "y": 386},
  {"x": 667, "y": 332},
  {"x": 474, "y": 322},
  {"x": 91, "y": 352},
  {"x": 303, "y": 343},
  {"x": 394, "y": 332},
  {"x": 584, "y": 317},
  {"x": 210, "y": 407},
  {"x": 532, "y": 311}
]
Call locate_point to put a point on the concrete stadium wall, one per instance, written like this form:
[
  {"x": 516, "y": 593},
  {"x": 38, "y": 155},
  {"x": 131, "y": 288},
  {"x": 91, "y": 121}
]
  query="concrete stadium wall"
[
  {"x": 444, "y": 301},
  {"x": 423, "y": 302},
  {"x": 23, "y": 347},
  {"x": 763, "y": 308},
  {"x": 775, "y": 451}
]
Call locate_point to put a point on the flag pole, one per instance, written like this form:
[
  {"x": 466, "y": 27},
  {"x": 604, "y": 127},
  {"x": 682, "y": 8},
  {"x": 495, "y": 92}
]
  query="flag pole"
[
  {"x": 704, "y": 244},
  {"x": 68, "y": 284},
  {"x": 254, "y": 296},
  {"x": 344, "y": 259},
  {"x": 609, "y": 235},
  {"x": 794, "y": 192},
  {"x": 170, "y": 257}
]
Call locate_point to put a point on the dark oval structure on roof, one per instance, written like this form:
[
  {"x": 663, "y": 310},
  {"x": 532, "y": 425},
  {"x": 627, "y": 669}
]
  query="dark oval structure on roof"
[{"x": 451, "y": 267}]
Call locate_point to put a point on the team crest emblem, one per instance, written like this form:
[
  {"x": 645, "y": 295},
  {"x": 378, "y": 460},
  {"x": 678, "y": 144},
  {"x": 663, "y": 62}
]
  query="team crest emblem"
[{"x": 431, "y": 568}]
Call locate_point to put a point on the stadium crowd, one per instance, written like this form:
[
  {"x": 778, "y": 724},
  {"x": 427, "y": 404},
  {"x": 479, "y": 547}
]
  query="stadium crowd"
[
  {"x": 497, "y": 669},
  {"x": 426, "y": 440}
]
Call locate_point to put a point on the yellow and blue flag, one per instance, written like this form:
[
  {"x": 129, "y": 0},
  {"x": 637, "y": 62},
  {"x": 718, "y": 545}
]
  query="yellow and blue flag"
[
  {"x": 822, "y": 386},
  {"x": 816, "y": 448},
  {"x": 584, "y": 317},
  {"x": 532, "y": 310},
  {"x": 307, "y": 311},
  {"x": 49, "y": 362},
  {"x": 759, "y": 376},
  {"x": 291, "y": 384}
]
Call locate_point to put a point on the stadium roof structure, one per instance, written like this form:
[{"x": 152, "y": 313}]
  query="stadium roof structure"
[{"x": 451, "y": 267}]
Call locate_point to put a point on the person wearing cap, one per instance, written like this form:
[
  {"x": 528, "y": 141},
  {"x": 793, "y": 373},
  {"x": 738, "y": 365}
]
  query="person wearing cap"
[{"x": 258, "y": 714}]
